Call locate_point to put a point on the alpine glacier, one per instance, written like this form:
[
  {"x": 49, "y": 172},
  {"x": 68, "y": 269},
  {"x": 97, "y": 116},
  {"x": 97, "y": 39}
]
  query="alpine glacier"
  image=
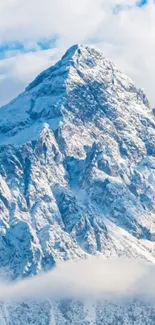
[{"x": 77, "y": 178}]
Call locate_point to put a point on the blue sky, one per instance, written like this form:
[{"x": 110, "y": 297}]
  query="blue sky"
[
  {"x": 12, "y": 48},
  {"x": 34, "y": 34},
  {"x": 142, "y": 3}
]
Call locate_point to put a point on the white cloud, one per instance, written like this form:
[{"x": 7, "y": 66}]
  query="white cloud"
[
  {"x": 94, "y": 278},
  {"x": 17, "y": 71},
  {"x": 127, "y": 37}
]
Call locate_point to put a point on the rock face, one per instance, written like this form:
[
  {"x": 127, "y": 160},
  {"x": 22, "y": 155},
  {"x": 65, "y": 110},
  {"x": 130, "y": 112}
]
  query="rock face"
[{"x": 77, "y": 172}]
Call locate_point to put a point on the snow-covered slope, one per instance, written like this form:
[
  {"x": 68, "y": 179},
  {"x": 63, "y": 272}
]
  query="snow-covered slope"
[
  {"x": 78, "y": 313},
  {"x": 77, "y": 168}
]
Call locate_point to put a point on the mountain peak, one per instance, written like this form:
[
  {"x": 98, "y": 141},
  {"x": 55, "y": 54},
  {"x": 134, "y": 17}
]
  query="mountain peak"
[
  {"x": 87, "y": 55},
  {"x": 80, "y": 50},
  {"x": 76, "y": 55},
  {"x": 73, "y": 49},
  {"x": 82, "y": 85}
]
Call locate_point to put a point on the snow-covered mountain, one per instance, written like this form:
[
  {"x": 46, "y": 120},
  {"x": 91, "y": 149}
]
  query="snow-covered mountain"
[{"x": 77, "y": 175}]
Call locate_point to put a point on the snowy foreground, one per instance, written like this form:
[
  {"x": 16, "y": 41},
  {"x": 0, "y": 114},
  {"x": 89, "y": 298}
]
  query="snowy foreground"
[{"x": 77, "y": 178}]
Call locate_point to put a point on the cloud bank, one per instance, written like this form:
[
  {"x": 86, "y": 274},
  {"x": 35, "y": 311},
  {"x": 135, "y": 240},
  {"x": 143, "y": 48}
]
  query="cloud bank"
[{"x": 94, "y": 278}]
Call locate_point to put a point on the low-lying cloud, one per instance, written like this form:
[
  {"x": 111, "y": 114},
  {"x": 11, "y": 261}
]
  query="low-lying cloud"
[{"x": 94, "y": 278}]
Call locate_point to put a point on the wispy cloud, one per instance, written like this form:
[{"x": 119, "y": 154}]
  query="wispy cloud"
[{"x": 18, "y": 70}]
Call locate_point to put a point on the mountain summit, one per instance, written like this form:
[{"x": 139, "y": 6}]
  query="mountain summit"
[
  {"x": 83, "y": 84},
  {"x": 77, "y": 168}
]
